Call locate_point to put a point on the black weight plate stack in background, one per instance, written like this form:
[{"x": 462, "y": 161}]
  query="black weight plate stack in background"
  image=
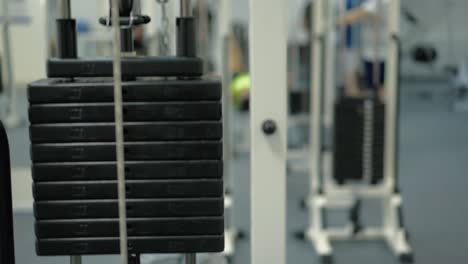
[
  {"x": 358, "y": 150},
  {"x": 173, "y": 153}
]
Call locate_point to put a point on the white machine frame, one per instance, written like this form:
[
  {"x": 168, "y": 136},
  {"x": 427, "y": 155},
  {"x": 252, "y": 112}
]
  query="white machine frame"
[
  {"x": 268, "y": 126},
  {"x": 324, "y": 192}
]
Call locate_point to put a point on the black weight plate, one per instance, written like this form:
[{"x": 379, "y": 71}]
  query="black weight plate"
[
  {"x": 140, "y": 151},
  {"x": 135, "y": 227},
  {"x": 93, "y": 190},
  {"x": 355, "y": 157},
  {"x": 343, "y": 176},
  {"x": 132, "y": 66},
  {"x": 350, "y": 123},
  {"x": 143, "y": 245},
  {"x": 348, "y": 167},
  {"x": 104, "y": 132},
  {"x": 135, "y": 208},
  {"x": 134, "y": 170},
  {"x": 349, "y": 136},
  {"x": 348, "y": 154},
  {"x": 357, "y": 123},
  {"x": 91, "y": 90},
  {"x": 132, "y": 112},
  {"x": 348, "y": 150},
  {"x": 357, "y": 101},
  {"x": 349, "y": 159},
  {"x": 358, "y": 112}
]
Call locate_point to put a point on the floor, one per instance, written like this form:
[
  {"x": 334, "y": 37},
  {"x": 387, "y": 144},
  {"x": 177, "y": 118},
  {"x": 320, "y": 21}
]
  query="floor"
[{"x": 433, "y": 168}]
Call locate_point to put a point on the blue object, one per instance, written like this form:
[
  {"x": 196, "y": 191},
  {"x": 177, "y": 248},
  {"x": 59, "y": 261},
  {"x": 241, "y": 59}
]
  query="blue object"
[
  {"x": 83, "y": 26},
  {"x": 369, "y": 74},
  {"x": 352, "y": 30}
]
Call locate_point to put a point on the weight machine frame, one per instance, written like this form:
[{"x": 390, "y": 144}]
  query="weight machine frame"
[
  {"x": 122, "y": 46},
  {"x": 268, "y": 127},
  {"x": 324, "y": 193}
]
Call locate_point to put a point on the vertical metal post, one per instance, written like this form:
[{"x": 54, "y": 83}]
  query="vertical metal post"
[
  {"x": 75, "y": 260},
  {"x": 185, "y": 8},
  {"x": 65, "y": 9},
  {"x": 203, "y": 31},
  {"x": 190, "y": 259},
  {"x": 224, "y": 28},
  {"x": 268, "y": 51},
  {"x": 392, "y": 98},
  {"x": 126, "y": 31},
  {"x": 186, "y": 31},
  {"x": 66, "y": 32},
  {"x": 316, "y": 97},
  {"x": 119, "y": 137},
  {"x": 126, "y": 40},
  {"x": 223, "y": 60},
  {"x": 330, "y": 75}
]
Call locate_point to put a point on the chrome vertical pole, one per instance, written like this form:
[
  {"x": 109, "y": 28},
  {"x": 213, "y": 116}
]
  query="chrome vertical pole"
[
  {"x": 185, "y": 8},
  {"x": 186, "y": 11},
  {"x": 65, "y": 9},
  {"x": 190, "y": 259},
  {"x": 119, "y": 137},
  {"x": 392, "y": 97},
  {"x": 75, "y": 260}
]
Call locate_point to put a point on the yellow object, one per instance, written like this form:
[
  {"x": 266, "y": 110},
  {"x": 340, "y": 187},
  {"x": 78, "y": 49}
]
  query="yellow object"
[{"x": 240, "y": 88}]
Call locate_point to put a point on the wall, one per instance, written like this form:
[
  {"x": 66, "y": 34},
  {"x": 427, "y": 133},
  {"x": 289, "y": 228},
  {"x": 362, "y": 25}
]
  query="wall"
[
  {"x": 444, "y": 25},
  {"x": 29, "y": 44}
]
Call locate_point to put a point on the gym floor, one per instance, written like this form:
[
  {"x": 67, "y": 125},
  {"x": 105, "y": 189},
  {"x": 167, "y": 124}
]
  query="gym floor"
[{"x": 433, "y": 172}]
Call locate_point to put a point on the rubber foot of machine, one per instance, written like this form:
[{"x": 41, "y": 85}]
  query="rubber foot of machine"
[
  {"x": 303, "y": 204},
  {"x": 300, "y": 235},
  {"x": 241, "y": 235},
  {"x": 406, "y": 258},
  {"x": 357, "y": 228},
  {"x": 326, "y": 259}
]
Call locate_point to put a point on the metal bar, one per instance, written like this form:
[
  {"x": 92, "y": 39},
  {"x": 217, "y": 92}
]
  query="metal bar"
[
  {"x": 190, "y": 259},
  {"x": 392, "y": 96},
  {"x": 65, "y": 9},
  {"x": 75, "y": 259},
  {"x": 268, "y": 38},
  {"x": 316, "y": 97},
  {"x": 185, "y": 8},
  {"x": 126, "y": 40},
  {"x": 330, "y": 75},
  {"x": 203, "y": 30},
  {"x": 119, "y": 137},
  {"x": 224, "y": 36}
]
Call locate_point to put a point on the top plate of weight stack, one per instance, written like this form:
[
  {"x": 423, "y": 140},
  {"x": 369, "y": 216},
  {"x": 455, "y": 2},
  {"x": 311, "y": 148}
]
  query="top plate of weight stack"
[
  {"x": 102, "y": 90},
  {"x": 131, "y": 67}
]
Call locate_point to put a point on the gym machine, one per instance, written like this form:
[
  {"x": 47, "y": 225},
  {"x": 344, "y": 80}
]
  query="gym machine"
[
  {"x": 146, "y": 128},
  {"x": 364, "y": 163}
]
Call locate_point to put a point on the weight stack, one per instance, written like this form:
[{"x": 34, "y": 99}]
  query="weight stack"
[
  {"x": 173, "y": 162},
  {"x": 359, "y": 140}
]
